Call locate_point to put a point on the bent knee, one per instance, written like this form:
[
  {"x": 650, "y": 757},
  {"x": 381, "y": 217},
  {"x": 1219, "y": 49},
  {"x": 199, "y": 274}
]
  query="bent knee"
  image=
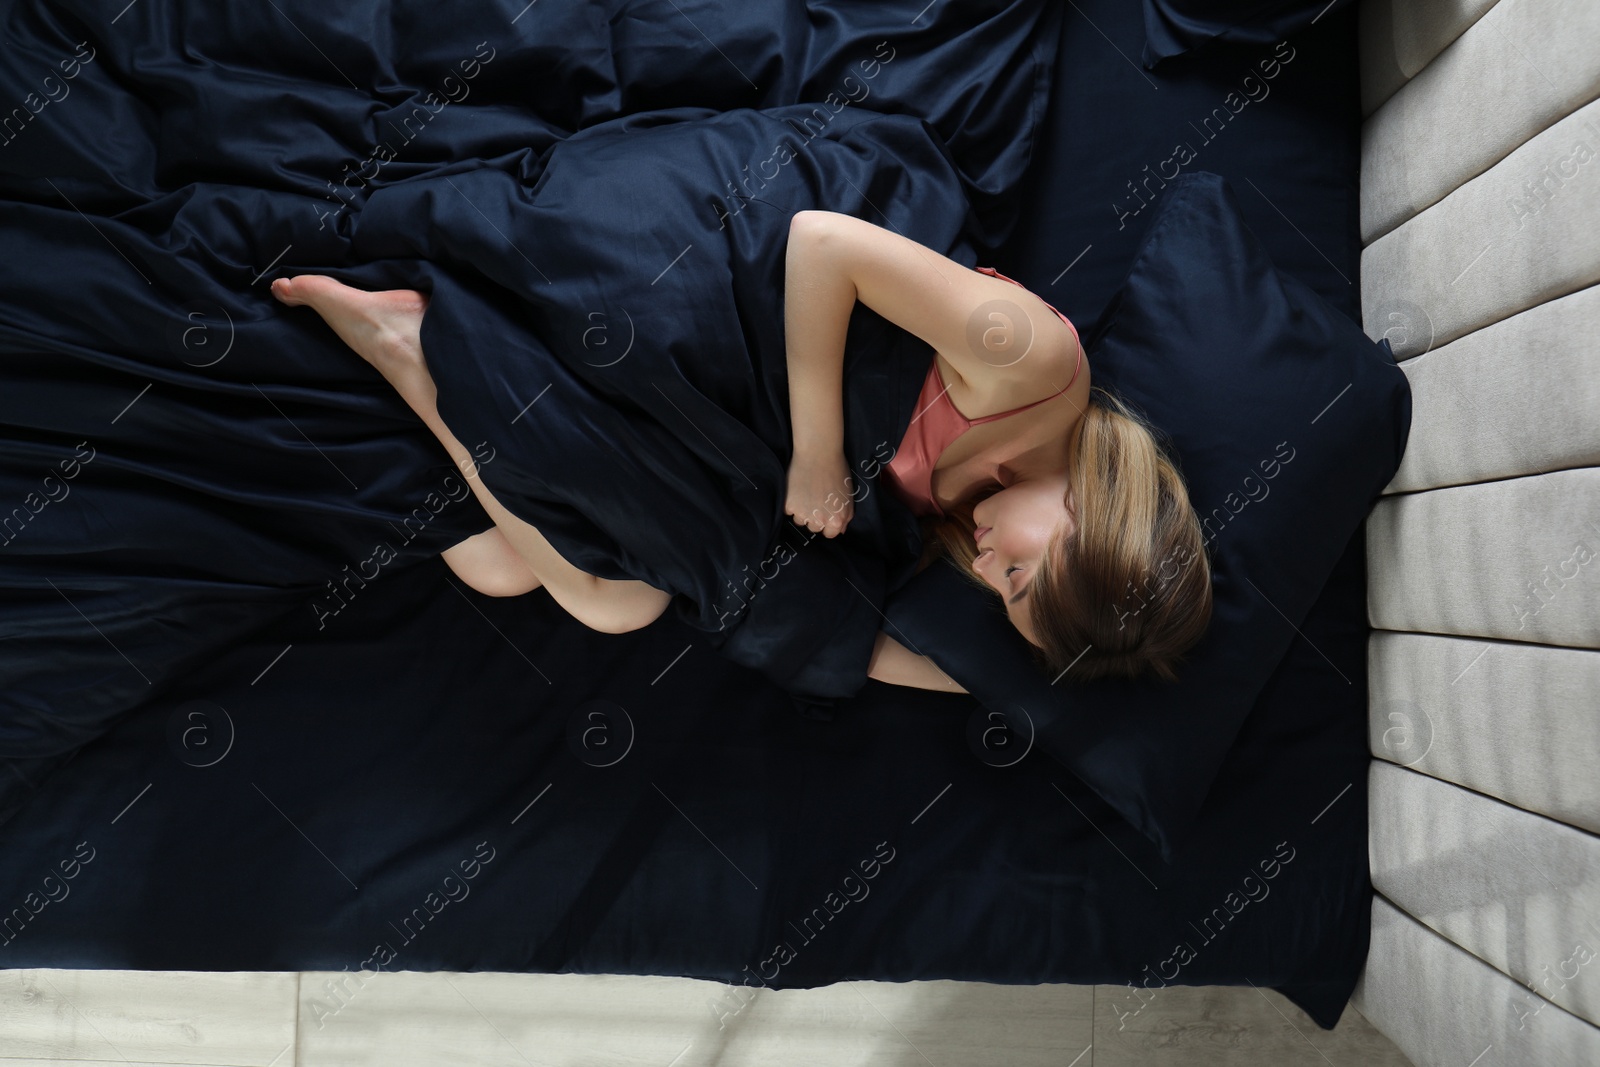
[
  {"x": 489, "y": 564},
  {"x": 502, "y": 584},
  {"x": 619, "y": 614}
]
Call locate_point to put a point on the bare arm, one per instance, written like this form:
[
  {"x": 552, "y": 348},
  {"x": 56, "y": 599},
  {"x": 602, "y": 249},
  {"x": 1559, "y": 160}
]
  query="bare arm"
[
  {"x": 896, "y": 664},
  {"x": 818, "y": 299},
  {"x": 999, "y": 337},
  {"x": 1001, "y": 340},
  {"x": 817, "y": 302}
]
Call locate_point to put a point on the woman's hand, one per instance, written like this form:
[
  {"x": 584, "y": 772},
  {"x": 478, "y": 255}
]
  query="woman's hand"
[{"x": 819, "y": 493}]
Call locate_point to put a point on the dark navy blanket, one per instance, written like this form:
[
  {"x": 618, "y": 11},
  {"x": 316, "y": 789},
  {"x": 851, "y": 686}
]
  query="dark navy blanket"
[
  {"x": 622, "y": 358},
  {"x": 597, "y": 195}
]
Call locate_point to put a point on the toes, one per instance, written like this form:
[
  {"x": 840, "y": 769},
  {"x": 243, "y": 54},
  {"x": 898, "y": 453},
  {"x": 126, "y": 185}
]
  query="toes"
[
  {"x": 305, "y": 288},
  {"x": 298, "y": 290}
]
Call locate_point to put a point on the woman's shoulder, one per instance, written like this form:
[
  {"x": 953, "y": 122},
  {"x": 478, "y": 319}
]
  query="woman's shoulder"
[{"x": 1056, "y": 373}]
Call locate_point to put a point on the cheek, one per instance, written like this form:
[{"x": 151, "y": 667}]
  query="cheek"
[
  {"x": 1043, "y": 517},
  {"x": 993, "y": 509}
]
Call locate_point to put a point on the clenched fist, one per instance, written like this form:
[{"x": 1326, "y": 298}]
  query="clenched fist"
[{"x": 819, "y": 495}]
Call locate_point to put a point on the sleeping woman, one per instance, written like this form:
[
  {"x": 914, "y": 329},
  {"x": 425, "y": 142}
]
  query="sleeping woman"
[{"x": 1058, "y": 502}]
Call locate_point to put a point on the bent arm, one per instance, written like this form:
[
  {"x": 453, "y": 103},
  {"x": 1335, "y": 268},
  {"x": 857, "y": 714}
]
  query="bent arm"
[
  {"x": 1002, "y": 340},
  {"x": 896, "y": 664},
  {"x": 817, "y": 302}
]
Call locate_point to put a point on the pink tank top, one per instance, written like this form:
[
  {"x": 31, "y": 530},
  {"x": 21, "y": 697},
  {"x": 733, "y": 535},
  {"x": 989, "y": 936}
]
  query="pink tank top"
[{"x": 937, "y": 423}]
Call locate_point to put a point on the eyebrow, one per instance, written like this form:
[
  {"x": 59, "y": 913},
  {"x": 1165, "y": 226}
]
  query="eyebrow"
[{"x": 1020, "y": 595}]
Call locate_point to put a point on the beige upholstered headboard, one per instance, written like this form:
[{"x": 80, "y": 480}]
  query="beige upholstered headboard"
[{"x": 1480, "y": 220}]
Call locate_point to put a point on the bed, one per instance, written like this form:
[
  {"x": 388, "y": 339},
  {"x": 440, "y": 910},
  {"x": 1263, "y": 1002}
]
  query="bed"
[{"x": 268, "y": 766}]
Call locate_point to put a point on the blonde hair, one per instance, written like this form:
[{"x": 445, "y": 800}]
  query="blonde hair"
[{"x": 1129, "y": 590}]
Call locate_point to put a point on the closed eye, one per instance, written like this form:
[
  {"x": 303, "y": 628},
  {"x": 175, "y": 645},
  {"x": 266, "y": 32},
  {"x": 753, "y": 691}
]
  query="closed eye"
[{"x": 1016, "y": 596}]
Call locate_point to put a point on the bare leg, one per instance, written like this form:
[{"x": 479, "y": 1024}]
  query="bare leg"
[
  {"x": 384, "y": 328},
  {"x": 489, "y": 564}
]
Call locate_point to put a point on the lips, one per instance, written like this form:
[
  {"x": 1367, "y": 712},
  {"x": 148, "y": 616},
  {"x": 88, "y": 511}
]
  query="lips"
[{"x": 977, "y": 535}]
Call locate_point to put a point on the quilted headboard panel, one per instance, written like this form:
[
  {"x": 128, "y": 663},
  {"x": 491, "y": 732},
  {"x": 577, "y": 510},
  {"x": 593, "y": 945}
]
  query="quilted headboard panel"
[{"x": 1480, "y": 219}]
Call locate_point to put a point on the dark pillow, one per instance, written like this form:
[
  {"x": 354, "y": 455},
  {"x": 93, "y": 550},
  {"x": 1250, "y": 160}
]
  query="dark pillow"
[
  {"x": 1172, "y": 27},
  {"x": 1286, "y": 422}
]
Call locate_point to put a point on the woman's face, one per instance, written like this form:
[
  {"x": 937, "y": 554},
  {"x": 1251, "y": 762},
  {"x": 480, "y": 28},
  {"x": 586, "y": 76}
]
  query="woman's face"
[{"x": 1020, "y": 519}]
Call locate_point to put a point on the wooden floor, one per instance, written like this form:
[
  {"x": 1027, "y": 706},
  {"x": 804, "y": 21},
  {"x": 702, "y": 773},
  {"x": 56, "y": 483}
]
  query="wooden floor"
[{"x": 282, "y": 1019}]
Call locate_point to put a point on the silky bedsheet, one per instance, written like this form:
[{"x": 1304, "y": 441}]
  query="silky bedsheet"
[{"x": 596, "y": 194}]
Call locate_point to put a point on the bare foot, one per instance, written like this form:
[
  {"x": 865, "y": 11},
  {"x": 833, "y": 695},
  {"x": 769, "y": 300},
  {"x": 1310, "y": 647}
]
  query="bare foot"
[{"x": 384, "y": 328}]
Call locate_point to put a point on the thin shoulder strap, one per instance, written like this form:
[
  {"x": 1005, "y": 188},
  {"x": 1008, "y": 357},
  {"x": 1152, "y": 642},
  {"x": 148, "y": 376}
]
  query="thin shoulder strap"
[{"x": 1000, "y": 415}]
